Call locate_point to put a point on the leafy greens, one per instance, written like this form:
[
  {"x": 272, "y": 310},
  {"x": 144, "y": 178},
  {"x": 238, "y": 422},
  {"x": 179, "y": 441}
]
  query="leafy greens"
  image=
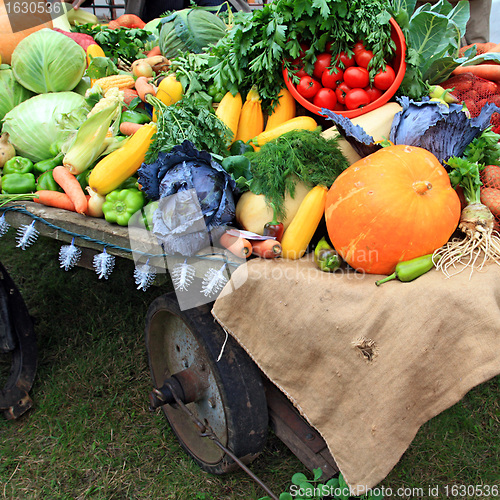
[
  {"x": 253, "y": 51},
  {"x": 433, "y": 34}
]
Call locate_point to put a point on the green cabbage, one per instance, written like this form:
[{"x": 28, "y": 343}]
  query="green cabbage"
[
  {"x": 12, "y": 92},
  {"x": 42, "y": 120},
  {"x": 48, "y": 61},
  {"x": 190, "y": 30}
]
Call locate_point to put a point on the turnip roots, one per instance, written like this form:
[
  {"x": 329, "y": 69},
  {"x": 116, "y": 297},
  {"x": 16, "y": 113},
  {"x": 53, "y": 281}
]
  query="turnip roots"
[{"x": 480, "y": 245}]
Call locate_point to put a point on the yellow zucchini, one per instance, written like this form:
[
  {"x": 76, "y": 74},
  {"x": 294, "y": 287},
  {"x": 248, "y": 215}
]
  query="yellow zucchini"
[
  {"x": 119, "y": 165},
  {"x": 297, "y": 123},
  {"x": 229, "y": 110},
  {"x": 252, "y": 117},
  {"x": 303, "y": 226},
  {"x": 285, "y": 110}
]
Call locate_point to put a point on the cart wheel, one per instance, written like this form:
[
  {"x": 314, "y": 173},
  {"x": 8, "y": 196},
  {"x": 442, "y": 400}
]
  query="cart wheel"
[
  {"x": 18, "y": 350},
  {"x": 228, "y": 394}
]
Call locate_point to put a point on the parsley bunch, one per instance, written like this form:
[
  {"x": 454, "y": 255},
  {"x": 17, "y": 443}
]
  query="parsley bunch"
[
  {"x": 122, "y": 45},
  {"x": 187, "y": 120},
  {"x": 254, "y": 50}
]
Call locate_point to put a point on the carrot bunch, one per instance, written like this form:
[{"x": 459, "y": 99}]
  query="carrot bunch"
[
  {"x": 73, "y": 198},
  {"x": 244, "y": 248}
]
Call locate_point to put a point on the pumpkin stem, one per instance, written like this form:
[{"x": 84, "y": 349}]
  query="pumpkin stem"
[{"x": 421, "y": 187}]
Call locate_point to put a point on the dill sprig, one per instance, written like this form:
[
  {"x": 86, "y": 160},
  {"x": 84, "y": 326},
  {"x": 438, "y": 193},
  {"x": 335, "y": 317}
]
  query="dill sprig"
[{"x": 299, "y": 155}]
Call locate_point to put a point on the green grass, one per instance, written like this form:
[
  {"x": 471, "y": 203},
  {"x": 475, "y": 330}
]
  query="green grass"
[{"x": 91, "y": 435}]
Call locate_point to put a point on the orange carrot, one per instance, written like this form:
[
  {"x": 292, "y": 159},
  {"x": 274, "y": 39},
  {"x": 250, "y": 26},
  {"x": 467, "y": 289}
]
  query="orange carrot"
[
  {"x": 155, "y": 51},
  {"x": 238, "y": 246},
  {"x": 129, "y": 128},
  {"x": 267, "y": 249},
  {"x": 71, "y": 187},
  {"x": 487, "y": 71},
  {"x": 144, "y": 87},
  {"x": 54, "y": 199}
]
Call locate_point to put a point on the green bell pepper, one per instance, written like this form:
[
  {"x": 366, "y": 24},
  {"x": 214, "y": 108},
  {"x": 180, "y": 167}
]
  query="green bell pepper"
[
  {"x": 42, "y": 166},
  {"x": 121, "y": 204},
  {"x": 239, "y": 166},
  {"x": 135, "y": 117},
  {"x": 147, "y": 214},
  {"x": 18, "y": 183},
  {"x": 18, "y": 165},
  {"x": 240, "y": 147},
  {"x": 46, "y": 182}
]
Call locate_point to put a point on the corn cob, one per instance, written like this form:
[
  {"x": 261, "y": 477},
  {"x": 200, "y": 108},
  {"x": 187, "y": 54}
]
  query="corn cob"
[{"x": 119, "y": 81}]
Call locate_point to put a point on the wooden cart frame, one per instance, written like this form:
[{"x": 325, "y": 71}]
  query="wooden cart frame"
[{"x": 183, "y": 347}]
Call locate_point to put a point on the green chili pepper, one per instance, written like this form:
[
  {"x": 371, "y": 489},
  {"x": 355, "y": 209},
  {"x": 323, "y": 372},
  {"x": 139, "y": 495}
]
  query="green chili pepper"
[
  {"x": 18, "y": 183},
  {"x": 42, "y": 166},
  {"x": 410, "y": 269},
  {"x": 326, "y": 257},
  {"x": 46, "y": 181},
  {"x": 121, "y": 204},
  {"x": 240, "y": 147},
  {"x": 135, "y": 117},
  {"x": 18, "y": 165}
]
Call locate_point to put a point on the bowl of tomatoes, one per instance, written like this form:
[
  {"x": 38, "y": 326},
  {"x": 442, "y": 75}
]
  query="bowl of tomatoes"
[{"x": 348, "y": 88}]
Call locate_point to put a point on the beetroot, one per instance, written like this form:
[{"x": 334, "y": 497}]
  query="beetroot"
[{"x": 80, "y": 38}]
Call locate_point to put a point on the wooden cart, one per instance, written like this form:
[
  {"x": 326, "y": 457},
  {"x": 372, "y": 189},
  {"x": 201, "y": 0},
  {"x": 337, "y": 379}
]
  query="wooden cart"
[{"x": 219, "y": 409}]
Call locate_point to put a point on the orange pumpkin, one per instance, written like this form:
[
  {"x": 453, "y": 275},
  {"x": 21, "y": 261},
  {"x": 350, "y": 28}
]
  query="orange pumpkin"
[
  {"x": 393, "y": 205},
  {"x": 8, "y": 39}
]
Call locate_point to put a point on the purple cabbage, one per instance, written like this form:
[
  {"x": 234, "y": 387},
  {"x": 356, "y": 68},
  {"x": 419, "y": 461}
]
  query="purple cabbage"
[
  {"x": 192, "y": 189},
  {"x": 442, "y": 130}
]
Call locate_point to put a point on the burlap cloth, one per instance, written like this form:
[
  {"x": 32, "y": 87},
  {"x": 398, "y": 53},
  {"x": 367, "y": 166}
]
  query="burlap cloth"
[{"x": 365, "y": 365}]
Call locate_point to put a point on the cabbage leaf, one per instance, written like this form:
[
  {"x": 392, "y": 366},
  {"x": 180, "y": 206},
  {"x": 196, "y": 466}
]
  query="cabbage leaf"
[
  {"x": 36, "y": 123},
  {"x": 48, "y": 61},
  {"x": 12, "y": 92}
]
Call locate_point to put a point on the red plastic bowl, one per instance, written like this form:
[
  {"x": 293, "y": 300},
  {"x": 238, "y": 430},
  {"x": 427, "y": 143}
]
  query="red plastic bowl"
[{"x": 399, "y": 66}]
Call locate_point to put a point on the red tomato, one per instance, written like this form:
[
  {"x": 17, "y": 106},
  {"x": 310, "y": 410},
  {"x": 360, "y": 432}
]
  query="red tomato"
[
  {"x": 339, "y": 107},
  {"x": 373, "y": 93},
  {"x": 325, "y": 98},
  {"x": 323, "y": 60},
  {"x": 298, "y": 65},
  {"x": 341, "y": 92},
  {"x": 363, "y": 57},
  {"x": 384, "y": 78},
  {"x": 332, "y": 77},
  {"x": 346, "y": 60},
  {"x": 358, "y": 46},
  {"x": 356, "y": 77},
  {"x": 308, "y": 87},
  {"x": 356, "y": 98}
]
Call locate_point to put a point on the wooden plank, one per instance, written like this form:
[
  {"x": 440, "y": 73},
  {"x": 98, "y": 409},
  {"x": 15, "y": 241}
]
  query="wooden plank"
[
  {"x": 302, "y": 439},
  {"x": 133, "y": 242}
]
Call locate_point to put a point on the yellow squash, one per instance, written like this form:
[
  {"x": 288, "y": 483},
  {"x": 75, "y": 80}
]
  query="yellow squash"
[
  {"x": 297, "y": 123},
  {"x": 285, "y": 110},
  {"x": 119, "y": 165},
  {"x": 299, "y": 233},
  {"x": 251, "y": 118},
  {"x": 229, "y": 110}
]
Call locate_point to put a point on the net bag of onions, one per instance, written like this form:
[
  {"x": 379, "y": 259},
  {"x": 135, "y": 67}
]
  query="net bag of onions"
[{"x": 475, "y": 92}]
